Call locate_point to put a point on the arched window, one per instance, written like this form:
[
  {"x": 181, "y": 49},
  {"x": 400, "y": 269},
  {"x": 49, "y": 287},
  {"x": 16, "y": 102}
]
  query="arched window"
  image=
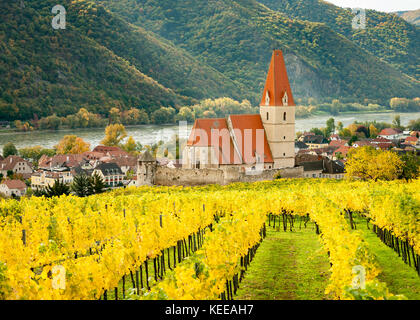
[
  {"x": 268, "y": 117},
  {"x": 284, "y": 116}
]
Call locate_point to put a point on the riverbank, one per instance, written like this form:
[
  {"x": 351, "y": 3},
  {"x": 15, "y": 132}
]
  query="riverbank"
[{"x": 150, "y": 134}]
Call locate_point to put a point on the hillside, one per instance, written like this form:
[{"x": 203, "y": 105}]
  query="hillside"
[
  {"x": 386, "y": 36},
  {"x": 412, "y": 16},
  {"x": 97, "y": 62},
  {"x": 236, "y": 38}
]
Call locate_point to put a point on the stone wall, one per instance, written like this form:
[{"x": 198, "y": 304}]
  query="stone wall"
[{"x": 194, "y": 177}]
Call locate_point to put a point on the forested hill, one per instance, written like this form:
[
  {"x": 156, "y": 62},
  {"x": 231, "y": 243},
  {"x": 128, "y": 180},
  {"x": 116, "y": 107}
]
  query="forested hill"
[
  {"x": 386, "y": 36},
  {"x": 151, "y": 53},
  {"x": 236, "y": 37},
  {"x": 98, "y": 62}
]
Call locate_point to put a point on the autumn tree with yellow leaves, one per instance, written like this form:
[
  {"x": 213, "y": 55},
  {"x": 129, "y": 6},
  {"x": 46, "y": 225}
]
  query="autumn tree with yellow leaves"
[
  {"x": 72, "y": 144},
  {"x": 114, "y": 134},
  {"x": 368, "y": 163}
]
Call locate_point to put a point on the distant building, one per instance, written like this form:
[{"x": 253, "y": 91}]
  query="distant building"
[
  {"x": 315, "y": 141},
  {"x": 15, "y": 164},
  {"x": 43, "y": 179},
  {"x": 324, "y": 168},
  {"x": 13, "y": 188},
  {"x": 111, "y": 174},
  {"x": 265, "y": 141},
  {"x": 391, "y": 134}
]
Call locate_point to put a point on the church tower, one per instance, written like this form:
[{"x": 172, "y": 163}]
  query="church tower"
[{"x": 277, "y": 110}]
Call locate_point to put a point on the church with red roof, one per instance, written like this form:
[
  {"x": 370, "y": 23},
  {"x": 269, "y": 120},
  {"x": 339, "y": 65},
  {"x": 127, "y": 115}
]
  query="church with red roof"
[{"x": 252, "y": 141}]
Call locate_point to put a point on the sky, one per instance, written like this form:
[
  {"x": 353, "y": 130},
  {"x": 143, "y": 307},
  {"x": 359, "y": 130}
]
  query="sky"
[{"x": 379, "y": 5}]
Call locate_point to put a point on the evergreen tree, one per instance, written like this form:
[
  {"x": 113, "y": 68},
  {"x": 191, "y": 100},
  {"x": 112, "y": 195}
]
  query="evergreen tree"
[
  {"x": 97, "y": 184},
  {"x": 58, "y": 189},
  {"x": 82, "y": 185}
]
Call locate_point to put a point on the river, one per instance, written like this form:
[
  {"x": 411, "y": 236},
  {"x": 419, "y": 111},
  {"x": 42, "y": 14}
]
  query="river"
[{"x": 149, "y": 134}]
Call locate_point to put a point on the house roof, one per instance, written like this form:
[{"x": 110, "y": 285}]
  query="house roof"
[
  {"x": 147, "y": 157},
  {"x": 301, "y": 145},
  {"x": 412, "y": 139},
  {"x": 61, "y": 160},
  {"x": 343, "y": 150},
  {"x": 109, "y": 169},
  {"x": 381, "y": 140},
  {"x": 318, "y": 139},
  {"x": 277, "y": 83},
  {"x": 338, "y": 143},
  {"x": 201, "y": 136},
  {"x": 251, "y": 138},
  {"x": 389, "y": 132},
  {"x": 11, "y": 161},
  {"x": 105, "y": 149},
  {"x": 15, "y": 184}
]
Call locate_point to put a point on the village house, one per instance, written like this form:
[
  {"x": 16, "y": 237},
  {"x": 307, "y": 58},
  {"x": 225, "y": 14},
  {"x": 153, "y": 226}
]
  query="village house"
[
  {"x": 324, "y": 168},
  {"x": 42, "y": 179},
  {"x": 315, "y": 141},
  {"x": 413, "y": 141},
  {"x": 111, "y": 174},
  {"x": 13, "y": 188},
  {"x": 251, "y": 142},
  {"x": 17, "y": 165},
  {"x": 391, "y": 134}
]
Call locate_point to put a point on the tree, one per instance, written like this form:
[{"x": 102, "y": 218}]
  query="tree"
[
  {"x": 340, "y": 126},
  {"x": 9, "y": 149},
  {"x": 185, "y": 114},
  {"x": 114, "y": 115},
  {"x": 414, "y": 125},
  {"x": 330, "y": 129},
  {"x": 353, "y": 139},
  {"x": 130, "y": 145},
  {"x": 373, "y": 131},
  {"x": 163, "y": 115},
  {"x": 57, "y": 189},
  {"x": 114, "y": 134},
  {"x": 97, "y": 184},
  {"x": 369, "y": 163},
  {"x": 82, "y": 185},
  {"x": 318, "y": 132},
  {"x": 72, "y": 144},
  {"x": 396, "y": 123},
  {"x": 411, "y": 166}
]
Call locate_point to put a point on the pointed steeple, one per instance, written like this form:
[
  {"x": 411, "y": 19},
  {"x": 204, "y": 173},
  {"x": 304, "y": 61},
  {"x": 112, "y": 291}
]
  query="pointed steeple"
[{"x": 277, "y": 92}]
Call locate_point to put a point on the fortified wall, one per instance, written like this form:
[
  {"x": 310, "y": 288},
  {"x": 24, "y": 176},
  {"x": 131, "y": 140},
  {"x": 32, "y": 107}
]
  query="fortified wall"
[{"x": 165, "y": 176}]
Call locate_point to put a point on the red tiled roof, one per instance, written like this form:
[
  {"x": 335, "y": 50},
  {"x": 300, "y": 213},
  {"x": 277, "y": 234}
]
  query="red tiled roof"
[
  {"x": 70, "y": 160},
  {"x": 15, "y": 184},
  {"x": 381, "y": 140},
  {"x": 337, "y": 143},
  {"x": 201, "y": 136},
  {"x": 412, "y": 139},
  {"x": 250, "y": 135},
  {"x": 389, "y": 132},
  {"x": 11, "y": 161},
  {"x": 343, "y": 150},
  {"x": 105, "y": 149},
  {"x": 277, "y": 82}
]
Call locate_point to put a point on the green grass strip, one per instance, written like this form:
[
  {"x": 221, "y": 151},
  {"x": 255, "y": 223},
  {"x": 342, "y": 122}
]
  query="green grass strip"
[
  {"x": 399, "y": 277},
  {"x": 287, "y": 266}
]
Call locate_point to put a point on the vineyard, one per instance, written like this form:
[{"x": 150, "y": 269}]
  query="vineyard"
[{"x": 198, "y": 243}]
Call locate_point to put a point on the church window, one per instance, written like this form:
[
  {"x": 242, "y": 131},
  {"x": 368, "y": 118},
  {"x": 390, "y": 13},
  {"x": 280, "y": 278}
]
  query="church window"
[
  {"x": 284, "y": 116},
  {"x": 268, "y": 116},
  {"x": 285, "y": 99},
  {"x": 267, "y": 99}
]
